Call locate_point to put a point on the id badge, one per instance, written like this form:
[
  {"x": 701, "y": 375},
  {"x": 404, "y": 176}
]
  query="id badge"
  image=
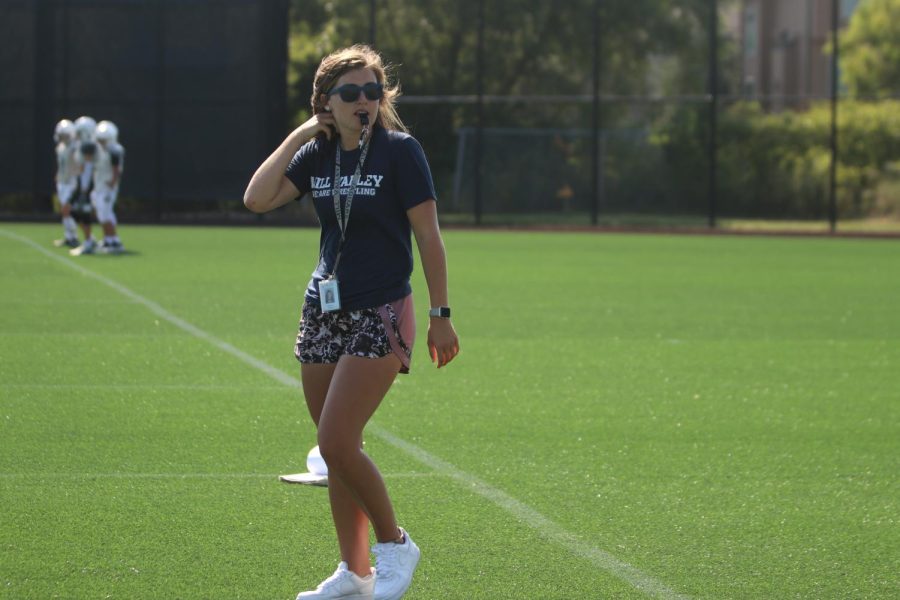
[{"x": 329, "y": 296}]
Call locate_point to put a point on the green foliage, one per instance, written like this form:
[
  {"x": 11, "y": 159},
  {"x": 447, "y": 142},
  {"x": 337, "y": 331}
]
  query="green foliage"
[
  {"x": 870, "y": 49},
  {"x": 777, "y": 164},
  {"x": 525, "y": 42},
  {"x": 530, "y": 48},
  {"x": 647, "y": 47},
  {"x": 769, "y": 164}
]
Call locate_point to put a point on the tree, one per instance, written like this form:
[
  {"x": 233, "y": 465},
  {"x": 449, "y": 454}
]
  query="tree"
[
  {"x": 532, "y": 49},
  {"x": 870, "y": 49}
]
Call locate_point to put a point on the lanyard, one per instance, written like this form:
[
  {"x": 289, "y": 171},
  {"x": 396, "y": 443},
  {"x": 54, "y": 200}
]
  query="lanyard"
[{"x": 343, "y": 216}]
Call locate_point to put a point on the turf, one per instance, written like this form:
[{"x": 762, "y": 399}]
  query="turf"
[{"x": 720, "y": 413}]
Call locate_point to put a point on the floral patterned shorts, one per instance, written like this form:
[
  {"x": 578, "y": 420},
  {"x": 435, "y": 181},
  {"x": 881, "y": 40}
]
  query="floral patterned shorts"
[{"x": 368, "y": 333}]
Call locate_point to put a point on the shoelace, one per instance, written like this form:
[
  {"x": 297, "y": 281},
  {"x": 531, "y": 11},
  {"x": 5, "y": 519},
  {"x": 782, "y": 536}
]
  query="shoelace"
[
  {"x": 334, "y": 579},
  {"x": 385, "y": 560}
]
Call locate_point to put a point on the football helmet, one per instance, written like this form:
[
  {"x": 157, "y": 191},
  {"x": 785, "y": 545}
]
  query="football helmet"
[
  {"x": 107, "y": 132},
  {"x": 85, "y": 126},
  {"x": 64, "y": 128}
]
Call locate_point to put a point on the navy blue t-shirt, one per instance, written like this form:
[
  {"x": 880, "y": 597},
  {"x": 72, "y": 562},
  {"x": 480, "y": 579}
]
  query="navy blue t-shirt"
[{"x": 377, "y": 258}]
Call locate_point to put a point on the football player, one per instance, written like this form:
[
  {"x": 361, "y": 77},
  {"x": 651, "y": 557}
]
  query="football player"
[
  {"x": 82, "y": 209},
  {"x": 108, "y": 168},
  {"x": 67, "y": 170}
]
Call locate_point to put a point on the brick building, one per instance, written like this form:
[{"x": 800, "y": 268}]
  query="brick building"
[{"x": 782, "y": 49}]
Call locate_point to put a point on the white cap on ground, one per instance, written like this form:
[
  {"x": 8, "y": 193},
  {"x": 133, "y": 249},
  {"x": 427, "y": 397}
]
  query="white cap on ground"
[{"x": 314, "y": 462}]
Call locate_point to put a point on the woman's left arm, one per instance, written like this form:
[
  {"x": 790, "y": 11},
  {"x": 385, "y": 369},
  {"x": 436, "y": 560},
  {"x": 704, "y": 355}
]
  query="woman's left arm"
[{"x": 443, "y": 344}]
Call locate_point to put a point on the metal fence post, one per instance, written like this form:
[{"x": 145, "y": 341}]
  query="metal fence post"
[
  {"x": 274, "y": 34},
  {"x": 832, "y": 196},
  {"x": 160, "y": 104},
  {"x": 42, "y": 118},
  {"x": 64, "y": 59},
  {"x": 713, "y": 111},
  {"x": 595, "y": 118},
  {"x": 479, "y": 124},
  {"x": 372, "y": 23}
]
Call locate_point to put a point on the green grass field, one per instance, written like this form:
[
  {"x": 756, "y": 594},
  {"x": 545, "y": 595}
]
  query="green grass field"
[{"x": 630, "y": 417}]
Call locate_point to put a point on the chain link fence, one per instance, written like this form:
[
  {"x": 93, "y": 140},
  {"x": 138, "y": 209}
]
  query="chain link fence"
[{"x": 680, "y": 113}]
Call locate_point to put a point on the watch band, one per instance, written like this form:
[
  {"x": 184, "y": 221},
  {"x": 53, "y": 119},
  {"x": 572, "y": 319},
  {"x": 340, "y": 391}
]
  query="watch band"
[{"x": 440, "y": 311}]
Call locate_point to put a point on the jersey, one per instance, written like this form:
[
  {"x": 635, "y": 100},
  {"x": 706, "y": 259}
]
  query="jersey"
[
  {"x": 67, "y": 163},
  {"x": 108, "y": 160},
  {"x": 86, "y": 177},
  {"x": 376, "y": 260}
]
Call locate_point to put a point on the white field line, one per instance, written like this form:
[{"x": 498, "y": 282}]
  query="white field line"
[
  {"x": 162, "y": 313},
  {"x": 545, "y": 527},
  {"x": 139, "y": 386},
  {"x": 87, "y": 334},
  {"x": 548, "y": 529},
  {"x": 90, "y": 476}
]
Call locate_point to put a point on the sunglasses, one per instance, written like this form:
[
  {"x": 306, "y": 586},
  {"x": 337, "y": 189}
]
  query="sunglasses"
[{"x": 350, "y": 91}]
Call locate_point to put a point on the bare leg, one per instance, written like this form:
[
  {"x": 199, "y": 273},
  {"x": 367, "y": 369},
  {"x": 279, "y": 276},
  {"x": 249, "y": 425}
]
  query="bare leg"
[
  {"x": 357, "y": 388},
  {"x": 350, "y": 521}
]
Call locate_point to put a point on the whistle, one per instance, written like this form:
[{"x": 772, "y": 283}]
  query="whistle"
[{"x": 364, "y": 120}]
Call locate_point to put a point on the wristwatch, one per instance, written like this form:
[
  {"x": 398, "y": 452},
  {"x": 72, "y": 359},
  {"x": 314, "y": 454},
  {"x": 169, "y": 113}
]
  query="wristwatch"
[{"x": 440, "y": 311}]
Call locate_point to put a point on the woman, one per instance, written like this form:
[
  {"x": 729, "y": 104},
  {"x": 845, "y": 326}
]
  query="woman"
[{"x": 371, "y": 188}]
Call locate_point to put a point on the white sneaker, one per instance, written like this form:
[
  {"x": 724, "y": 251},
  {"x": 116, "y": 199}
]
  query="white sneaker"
[
  {"x": 70, "y": 242},
  {"x": 394, "y": 567},
  {"x": 110, "y": 247},
  {"x": 343, "y": 585},
  {"x": 87, "y": 247}
]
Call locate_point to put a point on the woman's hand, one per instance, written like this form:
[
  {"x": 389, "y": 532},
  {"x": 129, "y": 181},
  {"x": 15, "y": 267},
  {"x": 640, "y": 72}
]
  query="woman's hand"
[
  {"x": 319, "y": 122},
  {"x": 443, "y": 344},
  {"x": 269, "y": 187}
]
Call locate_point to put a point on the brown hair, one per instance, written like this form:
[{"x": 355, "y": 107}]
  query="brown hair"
[{"x": 359, "y": 56}]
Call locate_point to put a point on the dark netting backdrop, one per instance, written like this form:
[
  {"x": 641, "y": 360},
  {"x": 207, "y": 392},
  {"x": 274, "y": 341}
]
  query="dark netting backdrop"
[
  {"x": 197, "y": 88},
  {"x": 616, "y": 112}
]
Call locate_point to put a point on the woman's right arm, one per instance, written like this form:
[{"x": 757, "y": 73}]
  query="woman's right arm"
[{"x": 269, "y": 188}]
